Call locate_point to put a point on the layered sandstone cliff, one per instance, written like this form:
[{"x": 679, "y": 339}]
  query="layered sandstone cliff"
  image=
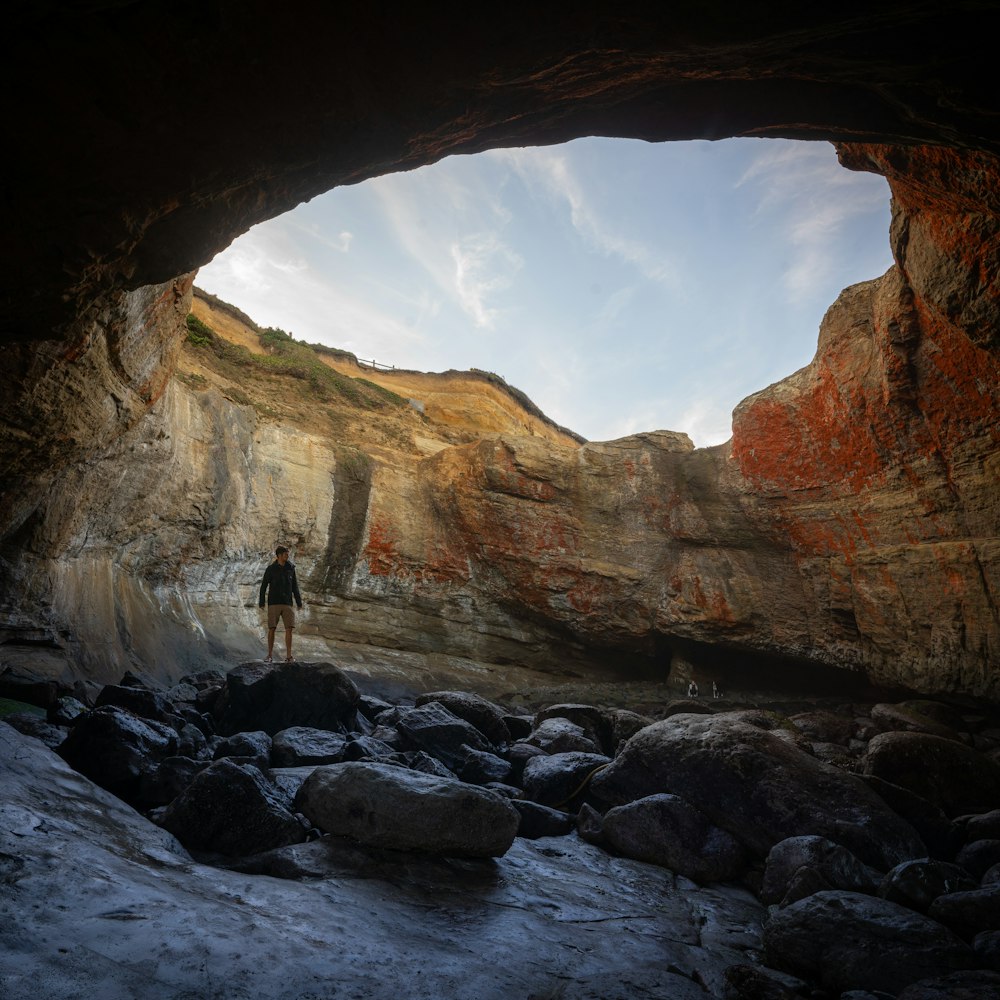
[{"x": 851, "y": 522}]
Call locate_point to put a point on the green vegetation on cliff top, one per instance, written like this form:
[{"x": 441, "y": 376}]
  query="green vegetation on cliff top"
[{"x": 283, "y": 355}]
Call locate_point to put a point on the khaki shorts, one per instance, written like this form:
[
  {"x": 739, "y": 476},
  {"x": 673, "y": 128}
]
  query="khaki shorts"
[{"x": 282, "y": 611}]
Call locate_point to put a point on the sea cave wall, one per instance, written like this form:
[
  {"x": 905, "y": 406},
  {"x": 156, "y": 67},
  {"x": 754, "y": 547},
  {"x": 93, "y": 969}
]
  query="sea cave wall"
[{"x": 851, "y": 522}]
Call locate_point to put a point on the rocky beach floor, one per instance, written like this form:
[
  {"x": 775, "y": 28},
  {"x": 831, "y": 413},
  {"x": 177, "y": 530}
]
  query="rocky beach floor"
[{"x": 283, "y": 831}]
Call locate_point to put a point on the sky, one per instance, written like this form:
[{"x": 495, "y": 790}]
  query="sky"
[{"x": 624, "y": 286}]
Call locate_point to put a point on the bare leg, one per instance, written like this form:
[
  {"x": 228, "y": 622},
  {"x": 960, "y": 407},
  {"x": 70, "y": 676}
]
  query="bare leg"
[
  {"x": 288, "y": 644},
  {"x": 270, "y": 642}
]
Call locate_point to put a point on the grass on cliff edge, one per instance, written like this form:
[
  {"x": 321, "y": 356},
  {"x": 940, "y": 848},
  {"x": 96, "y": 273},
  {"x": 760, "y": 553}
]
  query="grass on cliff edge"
[{"x": 283, "y": 355}]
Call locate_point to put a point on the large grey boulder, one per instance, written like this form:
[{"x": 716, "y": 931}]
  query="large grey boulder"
[
  {"x": 595, "y": 722},
  {"x": 139, "y": 701},
  {"x": 487, "y": 717},
  {"x": 939, "y": 833},
  {"x": 906, "y": 718},
  {"x": 917, "y": 884},
  {"x": 557, "y": 735},
  {"x": 231, "y": 809},
  {"x": 116, "y": 749},
  {"x": 799, "y": 866},
  {"x": 956, "y": 778},
  {"x": 302, "y": 745},
  {"x": 665, "y": 830},
  {"x": 441, "y": 733},
  {"x": 846, "y": 940},
  {"x": 968, "y": 913},
  {"x": 272, "y": 697},
  {"x": 758, "y": 785},
  {"x": 385, "y": 806},
  {"x": 559, "y": 779},
  {"x": 978, "y": 985},
  {"x": 247, "y": 748}
]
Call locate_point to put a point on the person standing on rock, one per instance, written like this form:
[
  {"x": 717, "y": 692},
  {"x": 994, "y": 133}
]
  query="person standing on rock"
[{"x": 281, "y": 588}]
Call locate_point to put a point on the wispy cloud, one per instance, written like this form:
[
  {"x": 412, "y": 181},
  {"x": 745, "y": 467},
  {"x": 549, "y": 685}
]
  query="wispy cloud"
[
  {"x": 814, "y": 200},
  {"x": 483, "y": 266},
  {"x": 551, "y": 174},
  {"x": 454, "y": 234},
  {"x": 277, "y": 289}
]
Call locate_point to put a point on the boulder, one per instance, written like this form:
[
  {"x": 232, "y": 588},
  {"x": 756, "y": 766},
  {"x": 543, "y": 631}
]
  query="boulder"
[
  {"x": 935, "y": 829},
  {"x": 541, "y": 821},
  {"x": 949, "y": 774},
  {"x": 231, "y": 809},
  {"x": 162, "y": 785},
  {"x": 833, "y": 753},
  {"x": 385, "y": 806},
  {"x": 590, "y": 825},
  {"x": 979, "y": 856},
  {"x": 830, "y": 866},
  {"x": 986, "y": 945},
  {"x": 139, "y": 701},
  {"x": 624, "y": 725},
  {"x": 302, "y": 745},
  {"x": 906, "y": 718},
  {"x": 438, "y": 731},
  {"x": 288, "y": 781},
  {"x": 982, "y": 826},
  {"x": 939, "y": 712},
  {"x": 846, "y": 940},
  {"x": 973, "y": 985},
  {"x": 558, "y": 779},
  {"x": 389, "y": 735},
  {"x": 519, "y": 754},
  {"x": 667, "y": 831},
  {"x": 65, "y": 711},
  {"x": 917, "y": 884},
  {"x": 367, "y": 748},
  {"x": 557, "y": 735},
  {"x": 758, "y": 786},
  {"x": 484, "y": 715},
  {"x": 191, "y": 742},
  {"x": 371, "y": 706},
  {"x": 968, "y": 913},
  {"x": 249, "y": 748},
  {"x": 272, "y": 697},
  {"x": 594, "y": 722},
  {"x": 34, "y": 725},
  {"x": 418, "y": 760},
  {"x": 518, "y": 726},
  {"x": 825, "y": 727},
  {"x": 750, "y": 982},
  {"x": 115, "y": 749},
  {"x": 480, "y": 768}
]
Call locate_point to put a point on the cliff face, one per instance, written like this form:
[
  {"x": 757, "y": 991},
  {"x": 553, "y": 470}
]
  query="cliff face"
[{"x": 852, "y": 521}]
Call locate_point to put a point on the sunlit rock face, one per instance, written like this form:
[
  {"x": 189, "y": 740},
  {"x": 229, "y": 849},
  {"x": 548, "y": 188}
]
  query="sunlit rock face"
[{"x": 852, "y": 521}]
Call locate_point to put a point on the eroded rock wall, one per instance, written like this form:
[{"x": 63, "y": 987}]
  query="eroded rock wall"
[{"x": 852, "y": 521}]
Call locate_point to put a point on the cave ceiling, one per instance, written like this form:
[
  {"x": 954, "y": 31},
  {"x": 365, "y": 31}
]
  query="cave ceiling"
[{"x": 149, "y": 135}]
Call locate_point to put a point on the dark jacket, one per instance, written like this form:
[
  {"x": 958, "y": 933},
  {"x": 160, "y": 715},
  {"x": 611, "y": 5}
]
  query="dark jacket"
[{"x": 280, "y": 585}]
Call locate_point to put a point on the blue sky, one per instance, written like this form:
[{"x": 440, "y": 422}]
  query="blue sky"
[{"x": 624, "y": 286}]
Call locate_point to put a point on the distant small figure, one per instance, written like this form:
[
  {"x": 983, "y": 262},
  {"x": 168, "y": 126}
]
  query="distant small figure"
[
  {"x": 281, "y": 587},
  {"x": 716, "y": 690},
  {"x": 692, "y": 690}
]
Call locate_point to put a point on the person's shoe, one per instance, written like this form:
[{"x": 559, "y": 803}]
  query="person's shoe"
[
  {"x": 289, "y": 659},
  {"x": 268, "y": 659}
]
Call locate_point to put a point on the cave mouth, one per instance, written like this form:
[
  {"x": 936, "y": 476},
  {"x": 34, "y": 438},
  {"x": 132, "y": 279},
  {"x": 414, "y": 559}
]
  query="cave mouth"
[{"x": 623, "y": 285}]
